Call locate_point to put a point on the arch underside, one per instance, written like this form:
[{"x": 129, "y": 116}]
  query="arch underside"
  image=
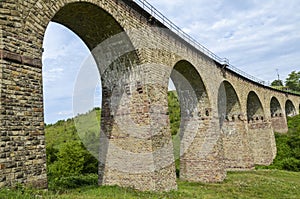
[
  {"x": 90, "y": 22},
  {"x": 278, "y": 120},
  {"x": 254, "y": 108},
  {"x": 196, "y": 127},
  {"x": 290, "y": 109},
  {"x": 237, "y": 150}
]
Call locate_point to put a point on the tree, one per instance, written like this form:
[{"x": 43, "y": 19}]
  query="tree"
[
  {"x": 277, "y": 82},
  {"x": 293, "y": 81},
  {"x": 72, "y": 160}
]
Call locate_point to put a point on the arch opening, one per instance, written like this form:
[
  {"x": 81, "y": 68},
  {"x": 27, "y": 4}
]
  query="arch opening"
[
  {"x": 279, "y": 122},
  {"x": 69, "y": 39},
  {"x": 194, "y": 111},
  {"x": 236, "y": 146},
  {"x": 255, "y": 110},
  {"x": 275, "y": 108},
  {"x": 261, "y": 135},
  {"x": 229, "y": 107},
  {"x": 191, "y": 92},
  {"x": 290, "y": 109}
]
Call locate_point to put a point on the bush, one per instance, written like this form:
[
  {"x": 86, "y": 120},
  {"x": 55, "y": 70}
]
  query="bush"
[
  {"x": 288, "y": 147},
  {"x": 72, "y": 159},
  {"x": 290, "y": 164}
]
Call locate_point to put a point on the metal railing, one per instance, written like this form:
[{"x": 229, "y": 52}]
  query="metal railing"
[{"x": 170, "y": 25}]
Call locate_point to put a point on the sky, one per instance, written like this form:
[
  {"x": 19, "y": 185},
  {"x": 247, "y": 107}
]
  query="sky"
[{"x": 262, "y": 38}]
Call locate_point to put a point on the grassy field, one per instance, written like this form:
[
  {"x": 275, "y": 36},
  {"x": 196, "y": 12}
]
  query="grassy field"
[{"x": 250, "y": 184}]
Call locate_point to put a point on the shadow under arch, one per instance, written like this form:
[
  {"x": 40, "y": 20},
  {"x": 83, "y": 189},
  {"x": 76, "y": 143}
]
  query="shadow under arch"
[
  {"x": 89, "y": 21},
  {"x": 279, "y": 122},
  {"x": 255, "y": 109},
  {"x": 275, "y": 108},
  {"x": 261, "y": 135},
  {"x": 290, "y": 109},
  {"x": 196, "y": 140},
  {"x": 237, "y": 150},
  {"x": 229, "y": 106}
]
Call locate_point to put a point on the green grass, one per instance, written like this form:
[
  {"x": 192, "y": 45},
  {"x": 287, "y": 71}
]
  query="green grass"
[{"x": 250, "y": 184}]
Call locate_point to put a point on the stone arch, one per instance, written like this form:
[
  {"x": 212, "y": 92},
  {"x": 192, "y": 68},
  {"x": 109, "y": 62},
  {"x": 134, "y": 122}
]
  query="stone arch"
[
  {"x": 275, "y": 108},
  {"x": 188, "y": 81},
  {"x": 85, "y": 19},
  {"x": 94, "y": 25},
  {"x": 261, "y": 135},
  {"x": 279, "y": 123},
  {"x": 95, "y": 21},
  {"x": 290, "y": 109},
  {"x": 228, "y": 102},
  {"x": 196, "y": 120},
  {"x": 255, "y": 109},
  {"x": 237, "y": 151},
  {"x": 192, "y": 94}
]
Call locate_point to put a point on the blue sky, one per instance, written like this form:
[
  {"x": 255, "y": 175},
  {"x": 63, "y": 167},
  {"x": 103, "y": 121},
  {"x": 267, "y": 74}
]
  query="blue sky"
[{"x": 258, "y": 37}]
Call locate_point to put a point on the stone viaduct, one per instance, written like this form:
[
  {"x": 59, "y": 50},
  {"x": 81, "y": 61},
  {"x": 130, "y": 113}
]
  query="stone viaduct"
[{"x": 228, "y": 120}]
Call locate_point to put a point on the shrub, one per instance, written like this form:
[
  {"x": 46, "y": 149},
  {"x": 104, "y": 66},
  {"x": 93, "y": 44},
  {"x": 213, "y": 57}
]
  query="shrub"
[
  {"x": 288, "y": 147},
  {"x": 290, "y": 164},
  {"x": 72, "y": 159}
]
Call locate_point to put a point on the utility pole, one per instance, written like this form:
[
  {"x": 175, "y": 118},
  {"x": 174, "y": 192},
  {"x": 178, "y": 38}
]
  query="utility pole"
[
  {"x": 277, "y": 73},
  {"x": 279, "y": 83}
]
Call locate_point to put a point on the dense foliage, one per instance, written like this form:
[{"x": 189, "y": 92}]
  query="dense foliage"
[
  {"x": 67, "y": 156},
  {"x": 288, "y": 147},
  {"x": 174, "y": 112},
  {"x": 277, "y": 83},
  {"x": 293, "y": 81}
]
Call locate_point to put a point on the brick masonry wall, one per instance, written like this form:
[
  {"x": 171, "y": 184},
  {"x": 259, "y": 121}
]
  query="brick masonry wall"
[{"x": 206, "y": 147}]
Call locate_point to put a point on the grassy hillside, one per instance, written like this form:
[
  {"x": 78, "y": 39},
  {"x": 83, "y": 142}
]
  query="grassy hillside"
[
  {"x": 253, "y": 184},
  {"x": 65, "y": 130}
]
